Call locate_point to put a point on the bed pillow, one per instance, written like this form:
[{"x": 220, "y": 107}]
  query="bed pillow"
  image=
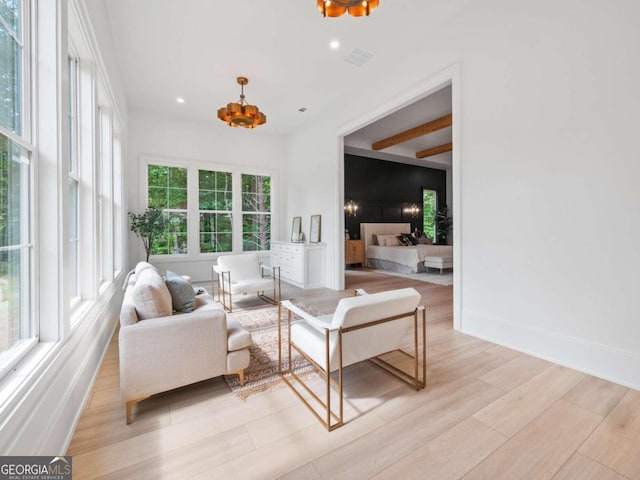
[
  {"x": 388, "y": 241},
  {"x": 374, "y": 239},
  {"x": 403, "y": 241},
  {"x": 409, "y": 239}
]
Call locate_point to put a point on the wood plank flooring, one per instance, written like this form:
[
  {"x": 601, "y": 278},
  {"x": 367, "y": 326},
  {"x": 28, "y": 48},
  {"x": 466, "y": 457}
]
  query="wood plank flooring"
[{"x": 487, "y": 413}]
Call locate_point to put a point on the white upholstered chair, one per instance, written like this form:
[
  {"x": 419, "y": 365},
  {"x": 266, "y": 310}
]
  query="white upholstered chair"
[
  {"x": 242, "y": 274},
  {"x": 362, "y": 327}
]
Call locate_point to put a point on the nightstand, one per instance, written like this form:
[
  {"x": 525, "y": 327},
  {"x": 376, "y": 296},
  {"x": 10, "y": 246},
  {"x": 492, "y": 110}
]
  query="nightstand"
[{"x": 354, "y": 252}]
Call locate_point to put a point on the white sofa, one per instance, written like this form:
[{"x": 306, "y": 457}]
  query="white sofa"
[{"x": 160, "y": 351}]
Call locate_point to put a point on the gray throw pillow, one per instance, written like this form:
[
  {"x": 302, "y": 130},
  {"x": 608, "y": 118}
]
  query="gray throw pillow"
[{"x": 183, "y": 297}]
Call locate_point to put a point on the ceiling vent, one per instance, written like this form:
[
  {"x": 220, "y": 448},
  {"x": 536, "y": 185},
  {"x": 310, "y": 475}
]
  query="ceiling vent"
[{"x": 358, "y": 57}]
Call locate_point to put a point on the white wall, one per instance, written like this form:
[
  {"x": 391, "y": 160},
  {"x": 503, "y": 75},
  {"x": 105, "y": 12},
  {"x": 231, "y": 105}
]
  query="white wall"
[
  {"x": 549, "y": 169},
  {"x": 153, "y": 135},
  {"x": 102, "y": 35}
]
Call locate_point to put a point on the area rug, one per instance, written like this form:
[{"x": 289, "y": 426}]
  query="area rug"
[{"x": 262, "y": 373}]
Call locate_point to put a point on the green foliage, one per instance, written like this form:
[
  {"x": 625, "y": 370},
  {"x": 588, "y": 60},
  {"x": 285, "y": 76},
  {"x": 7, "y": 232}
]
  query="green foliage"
[
  {"x": 429, "y": 212},
  {"x": 167, "y": 187},
  {"x": 215, "y": 232},
  {"x": 443, "y": 224},
  {"x": 215, "y": 190},
  {"x": 256, "y": 227},
  {"x": 149, "y": 226},
  {"x": 10, "y": 66},
  {"x": 10, "y": 200},
  {"x": 167, "y": 191}
]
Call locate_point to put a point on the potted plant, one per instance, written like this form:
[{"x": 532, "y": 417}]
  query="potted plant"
[
  {"x": 148, "y": 226},
  {"x": 443, "y": 224}
]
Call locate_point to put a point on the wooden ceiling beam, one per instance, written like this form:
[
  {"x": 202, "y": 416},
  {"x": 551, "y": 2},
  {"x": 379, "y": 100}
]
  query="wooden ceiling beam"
[
  {"x": 447, "y": 147},
  {"x": 419, "y": 131}
]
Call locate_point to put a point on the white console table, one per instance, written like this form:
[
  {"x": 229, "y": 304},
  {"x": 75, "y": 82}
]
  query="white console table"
[{"x": 301, "y": 264}]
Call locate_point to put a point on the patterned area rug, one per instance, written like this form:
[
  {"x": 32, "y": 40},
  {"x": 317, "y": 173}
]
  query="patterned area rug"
[{"x": 262, "y": 373}]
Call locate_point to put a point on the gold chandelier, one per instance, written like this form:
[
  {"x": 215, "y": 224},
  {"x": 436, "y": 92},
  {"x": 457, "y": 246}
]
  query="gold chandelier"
[
  {"x": 242, "y": 114},
  {"x": 356, "y": 8}
]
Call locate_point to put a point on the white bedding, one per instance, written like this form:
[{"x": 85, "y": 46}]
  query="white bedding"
[{"x": 410, "y": 259}]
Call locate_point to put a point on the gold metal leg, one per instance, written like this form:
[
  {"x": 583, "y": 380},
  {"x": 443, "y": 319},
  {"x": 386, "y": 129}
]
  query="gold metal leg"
[
  {"x": 130, "y": 405},
  {"x": 240, "y": 374}
]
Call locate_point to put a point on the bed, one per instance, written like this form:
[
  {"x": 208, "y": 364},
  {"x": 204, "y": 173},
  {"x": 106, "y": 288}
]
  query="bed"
[{"x": 398, "y": 258}]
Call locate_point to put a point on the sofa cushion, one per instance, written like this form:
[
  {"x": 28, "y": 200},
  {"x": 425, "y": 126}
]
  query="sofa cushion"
[
  {"x": 151, "y": 296},
  {"x": 183, "y": 297},
  {"x": 237, "y": 336},
  {"x": 141, "y": 266}
]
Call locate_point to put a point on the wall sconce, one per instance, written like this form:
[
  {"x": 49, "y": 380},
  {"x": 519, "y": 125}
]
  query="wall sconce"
[
  {"x": 413, "y": 210},
  {"x": 351, "y": 208}
]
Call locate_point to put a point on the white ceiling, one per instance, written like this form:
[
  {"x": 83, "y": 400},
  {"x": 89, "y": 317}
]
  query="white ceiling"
[
  {"x": 195, "y": 49},
  {"x": 430, "y": 108}
]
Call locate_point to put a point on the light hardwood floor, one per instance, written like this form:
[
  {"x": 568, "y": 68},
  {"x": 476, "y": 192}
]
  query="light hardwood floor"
[{"x": 487, "y": 413}]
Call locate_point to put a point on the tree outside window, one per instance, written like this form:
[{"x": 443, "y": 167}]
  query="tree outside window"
[
  {"x": 168, "y": 192},
  {"x": 256, "y": 212},
  {"x": 215, "y": 208},
  {"x": 429, "y": 209},
  {"x": 14, "y": 248},
  {"x": 10, "y": 65}
]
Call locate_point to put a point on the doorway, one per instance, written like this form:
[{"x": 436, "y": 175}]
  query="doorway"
[{"x": 446, "y": 79}]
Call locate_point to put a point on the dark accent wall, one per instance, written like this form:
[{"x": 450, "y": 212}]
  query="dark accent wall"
[{"x": 382, "y": 190}]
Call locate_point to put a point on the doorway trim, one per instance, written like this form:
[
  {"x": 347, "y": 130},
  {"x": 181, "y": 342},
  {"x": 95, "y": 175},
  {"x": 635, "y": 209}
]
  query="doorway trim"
[{"x": 447, "y": 76}]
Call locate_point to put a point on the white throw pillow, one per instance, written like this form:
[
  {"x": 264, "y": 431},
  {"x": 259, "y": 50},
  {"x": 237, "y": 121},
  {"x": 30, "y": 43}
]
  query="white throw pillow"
[{"x": 388, "y": 241}]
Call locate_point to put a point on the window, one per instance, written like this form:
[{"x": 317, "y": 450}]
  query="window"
[
  {"x": 11, "y": 65},
  {"x": 16, "y": 325},
  {"x": 168, "y": 191},
  {"x": 74, "y": 180},
  {"x": 105, "y": 196},
  {"x": 256, "y": 212},
  {"x": 211, "y": 210},
  {"x": 429, "y": 208},
  {"x": 215, "y": 194},
  {"x": 15, "y": 248}
]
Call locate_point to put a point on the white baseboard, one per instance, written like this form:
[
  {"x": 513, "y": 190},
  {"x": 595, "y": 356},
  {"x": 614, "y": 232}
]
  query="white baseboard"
[{"x": 613, "y": 364}]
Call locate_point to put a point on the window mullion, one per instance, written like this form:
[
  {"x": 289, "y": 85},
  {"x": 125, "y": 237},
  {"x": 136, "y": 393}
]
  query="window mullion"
[
  {"x": 237, "y": 212},
  {"x": 193, "y": 215}
]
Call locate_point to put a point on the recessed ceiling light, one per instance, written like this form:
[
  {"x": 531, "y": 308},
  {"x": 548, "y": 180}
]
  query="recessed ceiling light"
[
  {"x": 180, "y": 100},
  {"x": 335, "y": 44}
]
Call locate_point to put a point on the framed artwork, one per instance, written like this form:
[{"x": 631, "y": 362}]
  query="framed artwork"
[
  {"x": 314, "y": 231},
  {"x": 296, "y": 229}
]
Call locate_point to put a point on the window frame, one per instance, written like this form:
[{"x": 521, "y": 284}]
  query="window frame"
[
  {"x": 74, "y": 173},
  {"x": 23, "y": 138},
  {"x": 256, "y": 213},
  {"x": 215, "y": 212}
]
